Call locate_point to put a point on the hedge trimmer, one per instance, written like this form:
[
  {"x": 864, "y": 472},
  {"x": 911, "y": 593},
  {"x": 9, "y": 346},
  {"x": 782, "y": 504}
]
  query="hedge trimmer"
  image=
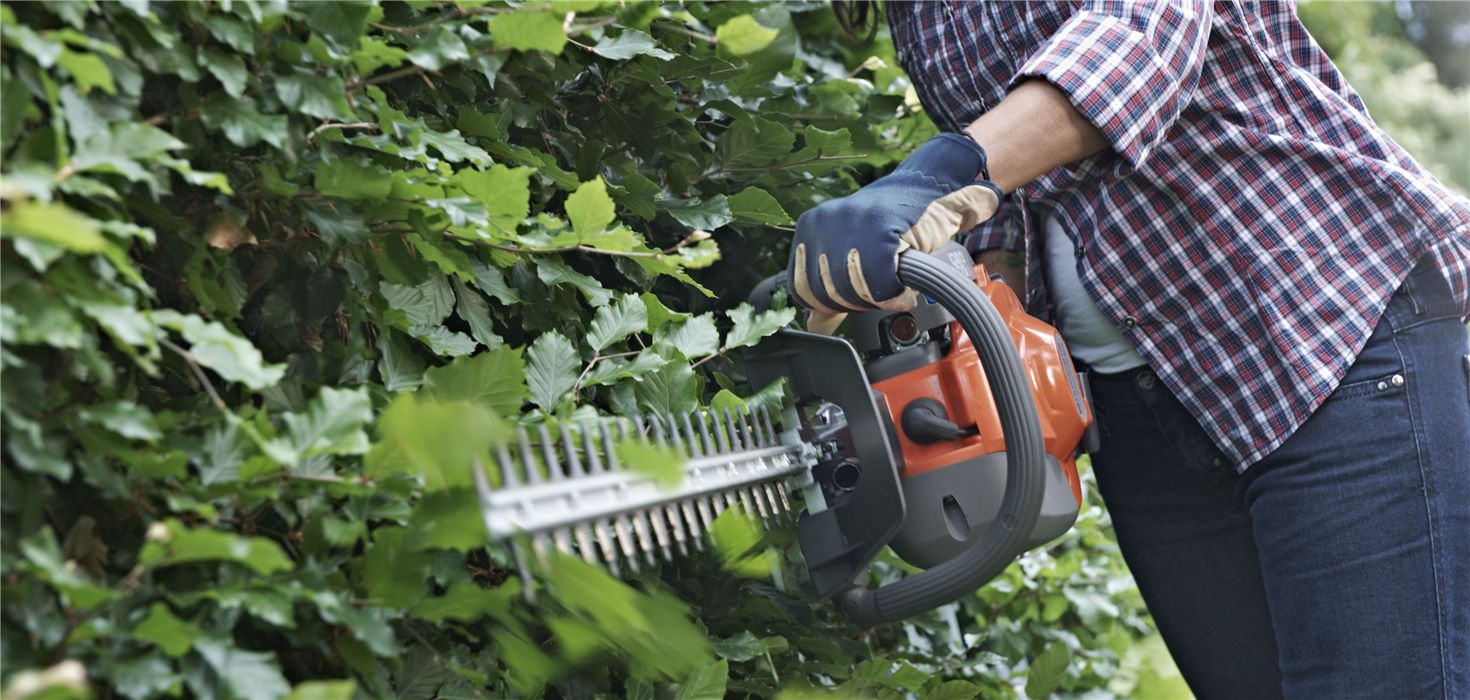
[{"x": 948, "y": 432}]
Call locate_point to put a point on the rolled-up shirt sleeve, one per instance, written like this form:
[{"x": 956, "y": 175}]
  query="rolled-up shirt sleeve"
[{"x": 1129, "y": 67}]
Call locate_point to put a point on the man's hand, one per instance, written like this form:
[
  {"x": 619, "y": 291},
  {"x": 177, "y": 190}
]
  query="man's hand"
[{"x": 845, "y": 255}]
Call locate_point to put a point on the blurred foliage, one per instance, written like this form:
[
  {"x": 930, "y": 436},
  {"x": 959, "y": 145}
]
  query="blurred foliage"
[
  {"x": 1370, "y": 43},
  {"x": 275, "y": 275}
]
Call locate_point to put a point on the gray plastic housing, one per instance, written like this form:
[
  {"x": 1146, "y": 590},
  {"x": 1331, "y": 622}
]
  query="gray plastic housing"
[{"x": 950, "y": 506}]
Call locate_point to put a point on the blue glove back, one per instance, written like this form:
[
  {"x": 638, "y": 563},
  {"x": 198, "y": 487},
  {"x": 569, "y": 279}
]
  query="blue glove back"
[{"x": 845, "y": 253}]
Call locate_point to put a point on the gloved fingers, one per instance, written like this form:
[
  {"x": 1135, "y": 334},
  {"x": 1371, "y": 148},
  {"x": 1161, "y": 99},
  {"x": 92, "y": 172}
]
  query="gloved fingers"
[
  {"x": 957, "y": 211},
  {"x": 829, "y": 284},
  {"x": 801, "y": 284},
  {"x": 906, "y": 298},
  {"x": 824, "y": 323}
]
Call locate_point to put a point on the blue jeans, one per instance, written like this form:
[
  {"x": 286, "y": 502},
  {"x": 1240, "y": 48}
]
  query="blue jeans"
[{"x": 1339, "y": 565}]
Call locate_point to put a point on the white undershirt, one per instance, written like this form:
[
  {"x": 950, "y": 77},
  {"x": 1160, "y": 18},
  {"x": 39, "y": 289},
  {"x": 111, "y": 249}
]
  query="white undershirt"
[{"x": 1090, "y": 336}]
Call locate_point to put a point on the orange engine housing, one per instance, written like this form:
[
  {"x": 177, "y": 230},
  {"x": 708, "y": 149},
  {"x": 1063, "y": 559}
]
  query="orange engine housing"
[{"x": 958, "y": 382}]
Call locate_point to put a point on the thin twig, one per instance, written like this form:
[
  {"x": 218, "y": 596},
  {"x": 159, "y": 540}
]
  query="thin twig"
[
  {"x": 341, "y": 126},
  {"x": 791, "y": 164},
  {"x": 199, "y": 374},
  {"x": 577, "y": 386}
]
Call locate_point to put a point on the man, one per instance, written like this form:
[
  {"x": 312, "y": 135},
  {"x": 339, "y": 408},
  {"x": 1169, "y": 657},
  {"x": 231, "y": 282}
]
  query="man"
[{"x": 1269, "y": 292}]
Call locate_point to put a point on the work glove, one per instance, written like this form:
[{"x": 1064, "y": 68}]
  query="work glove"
[{"x": 845, "y": 254}]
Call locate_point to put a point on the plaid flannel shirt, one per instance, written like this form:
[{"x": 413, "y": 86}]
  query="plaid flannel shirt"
[{"x": 1250, "y": 221}]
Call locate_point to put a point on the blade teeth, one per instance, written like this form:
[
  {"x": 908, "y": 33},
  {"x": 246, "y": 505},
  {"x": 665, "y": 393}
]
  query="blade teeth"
[
  {"x": 763, "y": 414},
  {"x": 785, "y": 502},
  {"x": 656, "y": 426},
  {"x": 528, "y": 460},
  {"x": 508, "y": 477},
  {"x": 607, "y": 447},
  {"x": 589, "y": 447},
  {"x": 694, "y": 443},
  {"x": 548, "y": 454},
  {"x": 574, "y": 461},
  {"x": 625, "y": 541},
  {"x": 584, "y": 543},
  {"x": 660, "y": 533},
  {"x": 605, "y": 544},
  {"x": 674, "y": 515},
  {"x": 692, "y": 520},
  {"x": 640, "y": 429},
  {"x": 710, "y": 446},
  {"x": 676, "y": 433},
  {"x": 645, "y": 539},
  {"x": 563, "y": 540},
  {"x": 728, "y": 422},
  {"x": 703, "y": 507},
  {"x": 752, "y": 438},
  {"x": 722, "y": 441}
]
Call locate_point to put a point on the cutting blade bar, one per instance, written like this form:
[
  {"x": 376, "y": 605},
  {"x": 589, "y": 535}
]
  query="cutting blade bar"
[{"x": 571, "y": 485}]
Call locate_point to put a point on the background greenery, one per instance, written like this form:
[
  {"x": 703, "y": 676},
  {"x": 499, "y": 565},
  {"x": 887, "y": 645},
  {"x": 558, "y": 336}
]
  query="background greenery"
[{"x": 273, "y": 275}]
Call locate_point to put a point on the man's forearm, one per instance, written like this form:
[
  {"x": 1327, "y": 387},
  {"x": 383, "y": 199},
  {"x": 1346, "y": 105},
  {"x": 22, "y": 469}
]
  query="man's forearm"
[{"x": 1033, "y": 130}]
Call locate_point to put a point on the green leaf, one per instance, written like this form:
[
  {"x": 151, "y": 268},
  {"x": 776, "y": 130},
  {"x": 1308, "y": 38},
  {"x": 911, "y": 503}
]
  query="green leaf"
[
  {"x": 352, "y": 180},
  {"x": 426, "y": 304},
  {"x": 343, "y": 22},
  {"x": 88, "y": 70},
  {"x": 174, "y": 636},
  {"x": 125, "y": 418},
  {"x": 553, "y": 369},
  {"x": 953, "y": 690},
  {"x": 397, "y": 365},
  {"x": 693, "y": 338},
  {"x": 671, "y": 389},
  {"x": 227, "y": 68},
  {"x": 707, "y": 683},
  {"x": 453, "y": 148},
  {"x": 737, "y": 539},
  {"x": 756, "y": 205},
  {"x": 611, "y": 371},
  {"x": 323, "y": 690},
  {"x": 466, "y": 602},
  {"x": 754, "y": 142},
  {"x": 496, "y": 378},
  {"x": 529, "y": 31},
  {"x": 249, "y": 675},
  {"x": 707, "y": 214},
  {"x": 505, "y": 192},
  {"x": 554, "y": 272},
  {"x": 742, "y": 36},
  {"x": 242, "y": 123},
  {"x": 1047, "y": 671},
  {"x": 658, "y": 314},
  {"x": 616, "y": 321},
  {"x": 332, "y": 424},
  {"x": 590, "y": 209},
  {"x": 170, "y": 542},
  {"x": 55, "y": 224},
  {"x": 320, "y": 96},
  {"x": 394, "y": 569},
  {"x": 629, "y": 44},
  {"x": 438, "y": 440},
  {"x": 490, "y": 281},
  {"x": 750, "y": 327},
  {"x": 215, "y": 347},
  {"x": 664, "y": 465},
  {"x": 441, "y": 47},
  {"x": 43, "y": 553},
  {"x": 476, "y": 312}
]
